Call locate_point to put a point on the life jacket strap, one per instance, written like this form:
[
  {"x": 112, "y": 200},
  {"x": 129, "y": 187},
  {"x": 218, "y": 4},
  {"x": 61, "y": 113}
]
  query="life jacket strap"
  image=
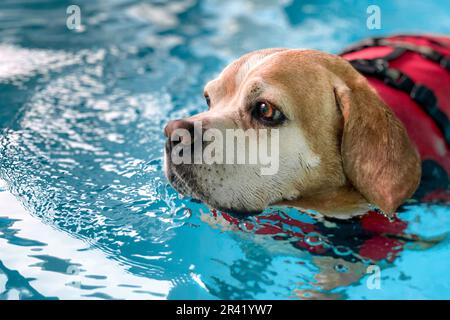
[
  {"x": 400, "y": 48},
  {"x": 397, "y": 79}
]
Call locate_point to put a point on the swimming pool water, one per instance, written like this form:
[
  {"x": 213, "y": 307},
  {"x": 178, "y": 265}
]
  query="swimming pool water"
[{"x": 85, "y": 210}]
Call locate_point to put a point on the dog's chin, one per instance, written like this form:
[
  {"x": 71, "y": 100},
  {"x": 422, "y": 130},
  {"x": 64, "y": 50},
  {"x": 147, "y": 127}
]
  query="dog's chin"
[{"x": 185, "y": 183}]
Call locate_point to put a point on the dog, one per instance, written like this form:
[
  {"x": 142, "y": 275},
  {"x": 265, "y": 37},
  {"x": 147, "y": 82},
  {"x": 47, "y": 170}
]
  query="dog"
[{"x": 342, "y": 149}]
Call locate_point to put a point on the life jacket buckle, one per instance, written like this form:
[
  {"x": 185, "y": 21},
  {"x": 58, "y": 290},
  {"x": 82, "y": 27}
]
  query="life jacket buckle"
[
  {"x": 398, "y": 80},
  {"x": 380, "y": 66}
]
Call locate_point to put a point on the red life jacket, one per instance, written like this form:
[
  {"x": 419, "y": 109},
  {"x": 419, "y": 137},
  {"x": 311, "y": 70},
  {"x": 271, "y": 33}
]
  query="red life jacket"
[
  {"x": 412, "y": 75},
  {"x": 415, "y": 83}
]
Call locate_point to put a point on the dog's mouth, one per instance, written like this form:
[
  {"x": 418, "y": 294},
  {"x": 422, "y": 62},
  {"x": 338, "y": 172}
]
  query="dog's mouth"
[
  {"x": 199, "y": 183},
  {"x": 183, "y": 180},
  {"x": 178, "y": 180}
]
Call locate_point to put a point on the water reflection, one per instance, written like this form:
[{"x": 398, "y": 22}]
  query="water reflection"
[{"x": 336, "y": 253}]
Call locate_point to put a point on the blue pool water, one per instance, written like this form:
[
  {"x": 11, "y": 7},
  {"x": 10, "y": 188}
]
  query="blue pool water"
[{"x": 85, "y": 210}]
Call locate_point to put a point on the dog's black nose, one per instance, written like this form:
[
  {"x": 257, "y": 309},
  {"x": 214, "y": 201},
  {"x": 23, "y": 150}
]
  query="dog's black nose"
[{"x": 177, "y": 125}]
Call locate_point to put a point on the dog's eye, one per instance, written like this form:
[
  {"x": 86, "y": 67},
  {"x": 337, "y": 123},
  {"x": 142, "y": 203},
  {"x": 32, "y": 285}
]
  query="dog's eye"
[
  {"x": 208, "y": 100},
  {"x": 268, "y": 113}
]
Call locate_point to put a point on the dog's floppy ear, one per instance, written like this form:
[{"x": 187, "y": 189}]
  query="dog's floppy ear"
[{"x": 378, "y": 157}]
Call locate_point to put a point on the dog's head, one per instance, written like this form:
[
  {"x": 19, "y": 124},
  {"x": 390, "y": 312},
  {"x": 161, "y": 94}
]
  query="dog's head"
[{"x": 337, "y": 146}]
